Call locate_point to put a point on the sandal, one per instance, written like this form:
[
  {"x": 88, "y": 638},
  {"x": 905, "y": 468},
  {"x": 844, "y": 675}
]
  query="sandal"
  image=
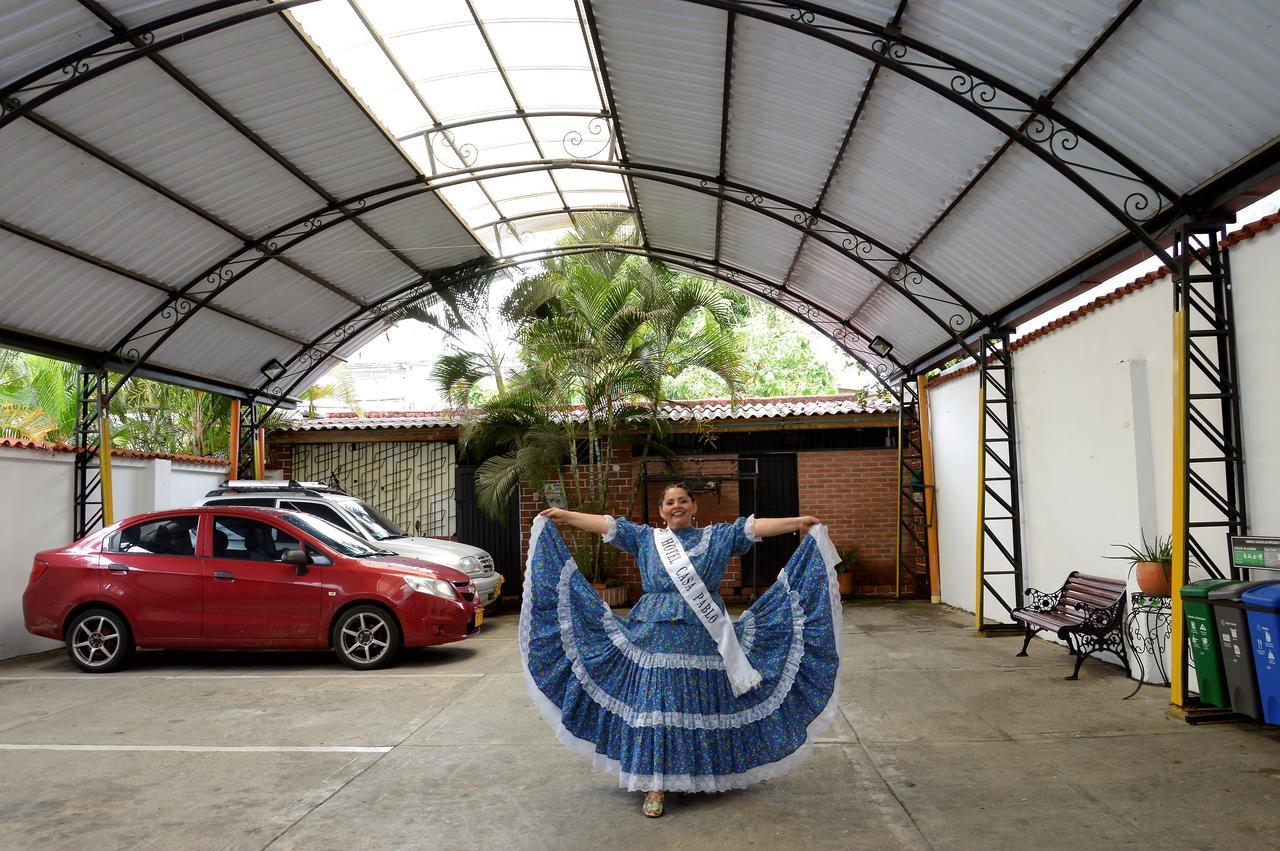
[{"x": 653, "y": 803}]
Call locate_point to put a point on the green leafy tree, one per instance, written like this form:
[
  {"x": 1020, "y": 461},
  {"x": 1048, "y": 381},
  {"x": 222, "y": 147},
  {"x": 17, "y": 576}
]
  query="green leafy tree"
[
  {"x": 778, "y": 360},
  {"x": 607, "y": 332}
]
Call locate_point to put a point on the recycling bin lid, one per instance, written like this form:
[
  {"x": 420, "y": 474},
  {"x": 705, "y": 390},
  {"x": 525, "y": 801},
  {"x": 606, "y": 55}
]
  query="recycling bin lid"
[
  {"x": 1200, "y": 590},
  {"x": 1264, "y": 598},
  {"x": 1232, "y": 593}
]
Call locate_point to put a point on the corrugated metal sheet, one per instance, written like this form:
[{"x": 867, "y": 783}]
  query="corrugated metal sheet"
[
  {"x": 61, "y": 193},
  {"x": 35, "y": 34},
  {"x": 279, "y": 297},
  {"x": 265, "y": 75},
  {"x": 1185, "y": 88},
  {"x": 152, "y": 124},
  {"x": 677, "y": 218},
  {"x": 1020, "y": 224},
  {"x": 214, "y": 345},
  {"x": 911, "y": 155},
  {"x": 349, "y": 258},
  {"x": 754, "y": 241},
  {"x": 88, "y": 306},
  {"x": 423, "y": 228},
  {"x": 828, "y": 277},
  {"x": 665, "y": 61},
  {"x": 782, "y": 81},
  {"x": 904, "y": 325},
  {"x": 1030, "y": 43}
]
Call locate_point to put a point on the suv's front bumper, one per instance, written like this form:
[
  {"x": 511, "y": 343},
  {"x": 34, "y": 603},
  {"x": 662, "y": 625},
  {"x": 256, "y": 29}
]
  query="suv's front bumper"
[{"x": 487, "y": 588}]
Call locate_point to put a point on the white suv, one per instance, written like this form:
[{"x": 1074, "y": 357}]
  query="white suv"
[{"x": 364, "y": 521}]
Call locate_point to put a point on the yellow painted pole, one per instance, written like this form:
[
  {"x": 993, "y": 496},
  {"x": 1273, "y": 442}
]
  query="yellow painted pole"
[
  {"x": 1178, "y": 572},
  {"x": 104, "y": 455},
  {"x": 980, "y": 592},
  {"x": 259, "y": 452},
  {"x": 233, "y": 451},
  {"x": 931, "y": 523},
  {"x": 897, "y": 560}
]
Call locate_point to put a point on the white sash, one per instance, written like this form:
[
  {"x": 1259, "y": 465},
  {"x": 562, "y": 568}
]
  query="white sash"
[{"x": 742, "y": 677}]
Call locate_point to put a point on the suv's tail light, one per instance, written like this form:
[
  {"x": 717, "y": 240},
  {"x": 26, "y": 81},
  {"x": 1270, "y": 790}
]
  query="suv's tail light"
[{"x": 37, "y": 570}]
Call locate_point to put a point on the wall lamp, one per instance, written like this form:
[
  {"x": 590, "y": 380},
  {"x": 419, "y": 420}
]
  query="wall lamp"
[
  {"x": 881, "y": 346},
  {"x": 272, "y": 369}
]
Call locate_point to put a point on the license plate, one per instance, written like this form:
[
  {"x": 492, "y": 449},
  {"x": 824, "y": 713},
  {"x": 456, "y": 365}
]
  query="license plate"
[{"x": 479, "y": 617}]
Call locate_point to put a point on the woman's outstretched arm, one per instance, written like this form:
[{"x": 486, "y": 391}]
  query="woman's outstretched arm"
[
  {"x": 767, "y": 527},
  {"x": 596, "y": 523}
]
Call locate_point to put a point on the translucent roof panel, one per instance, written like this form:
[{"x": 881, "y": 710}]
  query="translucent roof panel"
[{"x": 476, "y": 85}]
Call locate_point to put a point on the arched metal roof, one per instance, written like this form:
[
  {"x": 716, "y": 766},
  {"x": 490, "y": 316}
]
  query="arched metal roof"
[{"x": 194, "y": 190}]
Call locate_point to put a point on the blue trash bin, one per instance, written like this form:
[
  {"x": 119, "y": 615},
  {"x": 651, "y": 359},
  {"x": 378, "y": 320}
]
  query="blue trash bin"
[{"x": 1263, "y": 606}]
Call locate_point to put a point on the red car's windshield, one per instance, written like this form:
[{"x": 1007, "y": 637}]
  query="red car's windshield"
[{"x": 331, "y": 536}]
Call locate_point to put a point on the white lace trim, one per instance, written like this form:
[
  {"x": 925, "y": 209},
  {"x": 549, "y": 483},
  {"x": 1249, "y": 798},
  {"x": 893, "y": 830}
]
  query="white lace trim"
[
  {"x": 750, "y": 530},
  {"x": 648, "y": 659},
  {"x": 685, "y": 782},
  {"x": 684, "y": 720},
  {"x": 612, "y": 531},
  {"x": 704, "y": 541}
]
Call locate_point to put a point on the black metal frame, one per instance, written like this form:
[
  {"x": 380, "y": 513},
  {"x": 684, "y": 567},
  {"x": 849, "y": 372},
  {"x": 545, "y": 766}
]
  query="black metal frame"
[
  {"x": 308, "y": 361},
  {"x": 912, "y": 547},
  {"x": 1213, "y": 425},
  {"x": 999, "y": 446},
  {"x": 248, "y": 445},
  {"x": 87, "y": 500}
]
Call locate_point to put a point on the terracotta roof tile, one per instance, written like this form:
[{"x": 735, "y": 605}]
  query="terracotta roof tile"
[
  {"x": 704, "y": 410},
  {"x": 55, "y": 448}
]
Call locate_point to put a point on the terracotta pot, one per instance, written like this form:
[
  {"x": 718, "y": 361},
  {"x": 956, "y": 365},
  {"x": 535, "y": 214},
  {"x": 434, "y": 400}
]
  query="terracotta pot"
[
  {"x": 846, "y": 583},
  {"x": 1155, "y": 578}
]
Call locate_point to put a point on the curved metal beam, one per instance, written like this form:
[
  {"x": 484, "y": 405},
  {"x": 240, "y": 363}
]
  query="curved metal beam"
[
  {"x": 1050, "y": 135},
  {"x": 155, "y": 329},
  {"x": 124, "y": 46},
  {"x": 300, "y": 367}
]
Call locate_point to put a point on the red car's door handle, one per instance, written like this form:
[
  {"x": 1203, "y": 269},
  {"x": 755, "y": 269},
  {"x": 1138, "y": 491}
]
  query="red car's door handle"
[
  {"x": 118, "y": 568},
  {"x": 222, "y": 574}
]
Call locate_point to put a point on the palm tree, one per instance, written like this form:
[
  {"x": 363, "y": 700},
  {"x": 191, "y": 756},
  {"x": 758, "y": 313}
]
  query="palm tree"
[
  {"x": 605, "y": 331},
  {"x": 37, "y": 397}
]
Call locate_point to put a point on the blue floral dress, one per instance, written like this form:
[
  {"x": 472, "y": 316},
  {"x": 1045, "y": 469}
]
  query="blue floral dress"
[{"x": 646, "y": 696}]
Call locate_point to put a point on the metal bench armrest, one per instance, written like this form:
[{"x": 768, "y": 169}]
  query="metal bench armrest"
[
  {"x": 1041, "y": 601},
  {"x": 1099, "y": 618}
]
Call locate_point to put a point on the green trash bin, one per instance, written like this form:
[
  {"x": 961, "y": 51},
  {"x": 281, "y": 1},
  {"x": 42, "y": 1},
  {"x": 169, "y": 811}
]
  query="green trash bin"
[{"x": 1202, "y": 635}]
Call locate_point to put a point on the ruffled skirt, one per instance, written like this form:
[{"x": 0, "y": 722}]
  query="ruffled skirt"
[{"x": 651, "y": 701}]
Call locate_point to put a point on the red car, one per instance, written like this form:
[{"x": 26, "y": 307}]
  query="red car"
[{"x": 227, "y": 578}]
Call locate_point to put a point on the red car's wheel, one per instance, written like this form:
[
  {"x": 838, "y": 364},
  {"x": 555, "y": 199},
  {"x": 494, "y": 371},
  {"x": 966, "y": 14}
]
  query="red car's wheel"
[
  {"x": 98, "y": 641},
  {"x": 366, "y": 637}
]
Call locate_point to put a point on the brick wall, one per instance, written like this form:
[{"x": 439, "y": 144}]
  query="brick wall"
[{"x": 853, "y": 492}]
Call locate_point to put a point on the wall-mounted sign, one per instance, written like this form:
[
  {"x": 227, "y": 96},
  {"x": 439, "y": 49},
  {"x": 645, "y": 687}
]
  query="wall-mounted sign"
[
  {"x": 553, "y": 493},
  {"x": 1254, "y": 553}
]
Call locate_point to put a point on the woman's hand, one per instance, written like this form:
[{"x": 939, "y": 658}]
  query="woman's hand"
[
  {"x": 767, "y": 527},
  {"x": 555, "y": 515}
]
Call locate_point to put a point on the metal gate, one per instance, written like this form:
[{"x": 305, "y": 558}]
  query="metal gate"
[
  {"x": 499, "y": 539},
  {"x": 774, "y": 493}
]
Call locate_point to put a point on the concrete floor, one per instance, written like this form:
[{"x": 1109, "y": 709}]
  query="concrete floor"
[{"x": 945, "y": 740}]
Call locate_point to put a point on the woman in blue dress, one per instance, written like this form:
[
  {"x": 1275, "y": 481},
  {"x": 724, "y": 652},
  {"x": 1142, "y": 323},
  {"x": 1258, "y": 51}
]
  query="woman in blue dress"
[{"x": 675, "y": 697}]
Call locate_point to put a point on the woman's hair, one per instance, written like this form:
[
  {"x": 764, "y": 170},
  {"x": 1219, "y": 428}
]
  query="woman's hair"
[{"x": 682, "y": 486}]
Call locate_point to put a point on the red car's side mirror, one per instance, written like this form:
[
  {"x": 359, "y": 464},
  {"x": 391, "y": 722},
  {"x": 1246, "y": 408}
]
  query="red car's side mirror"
[{"x": 298, "y": 559}]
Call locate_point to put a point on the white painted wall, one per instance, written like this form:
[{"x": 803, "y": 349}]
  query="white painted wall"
[
  {"x": 36, "y": 490},
  {"x": 1095, "y": 410}
]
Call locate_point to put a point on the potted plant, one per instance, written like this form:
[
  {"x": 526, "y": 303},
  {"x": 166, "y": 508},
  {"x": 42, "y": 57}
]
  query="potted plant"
[
  {"x": 614, "y": 592},
  {"x": 844, "y": 570},
  {"x": 1153, "y": 562}
]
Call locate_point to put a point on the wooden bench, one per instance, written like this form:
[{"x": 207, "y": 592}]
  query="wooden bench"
[{"x": 1086, "y": 612}]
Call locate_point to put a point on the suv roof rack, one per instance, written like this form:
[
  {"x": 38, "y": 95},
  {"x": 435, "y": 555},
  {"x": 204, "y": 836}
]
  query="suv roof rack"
[{"x": 250, "y": 485}]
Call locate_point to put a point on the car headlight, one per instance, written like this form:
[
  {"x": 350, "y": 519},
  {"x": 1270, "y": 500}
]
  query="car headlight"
[
  {"x": 470, "y": 564},
  {"x": 427, "y": 585}
]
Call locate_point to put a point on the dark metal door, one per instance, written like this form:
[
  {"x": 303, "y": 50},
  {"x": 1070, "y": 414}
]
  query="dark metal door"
[
  {"x": 774, "y": 493},
  {"x": 500, "y": 540}
]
